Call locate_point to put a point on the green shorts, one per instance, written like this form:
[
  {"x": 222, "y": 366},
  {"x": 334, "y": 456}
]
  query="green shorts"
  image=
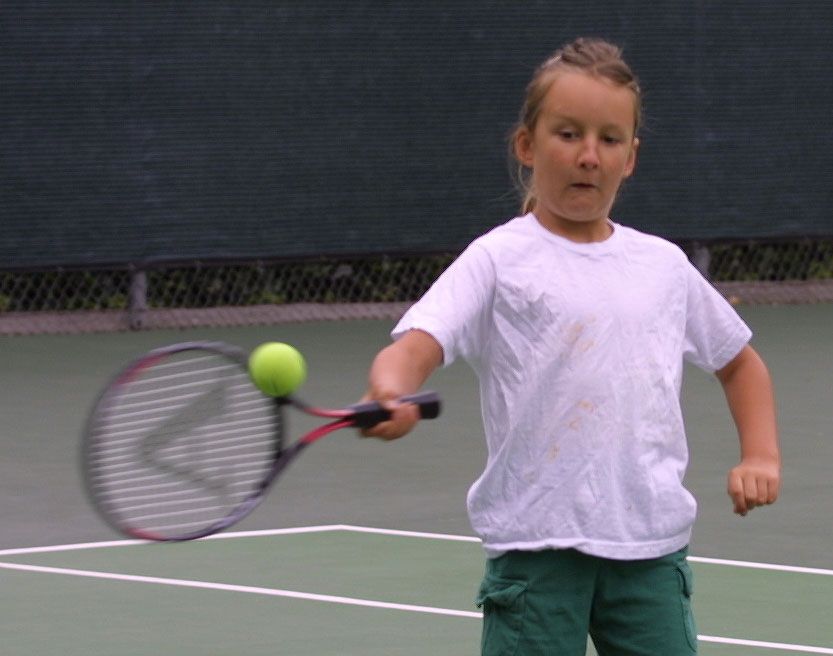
[{"x": 548, "y": 602}]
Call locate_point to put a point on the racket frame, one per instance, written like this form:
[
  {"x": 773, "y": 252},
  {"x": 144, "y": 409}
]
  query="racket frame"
[{"x": 359, "y": 416}]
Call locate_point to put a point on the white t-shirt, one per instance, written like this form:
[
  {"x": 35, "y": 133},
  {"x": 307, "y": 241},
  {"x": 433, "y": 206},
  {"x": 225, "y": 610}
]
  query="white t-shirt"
[{"x": 579, "y": 351}]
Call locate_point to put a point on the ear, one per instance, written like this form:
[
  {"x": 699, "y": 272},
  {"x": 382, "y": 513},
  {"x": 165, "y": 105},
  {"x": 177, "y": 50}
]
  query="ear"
[
  {"x": 630, "y": 165},
  {"x": 524, "y": 147}
]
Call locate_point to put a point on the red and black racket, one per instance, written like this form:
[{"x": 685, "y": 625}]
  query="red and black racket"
[{"x": 181, "y": 444}]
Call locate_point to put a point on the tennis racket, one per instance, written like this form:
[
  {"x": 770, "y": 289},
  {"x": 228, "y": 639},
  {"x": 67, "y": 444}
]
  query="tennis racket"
[{"x": 181, "y": 444}]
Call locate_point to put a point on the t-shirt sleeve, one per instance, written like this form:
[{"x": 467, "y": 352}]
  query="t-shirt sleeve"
[
  {"x": 715, "y": 333},
  {"x": 454, "y": 309}
]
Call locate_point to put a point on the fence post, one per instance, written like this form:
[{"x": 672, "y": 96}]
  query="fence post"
[
  {"x": 701, "y": 259},
  {"x": 138, "y": 301}
]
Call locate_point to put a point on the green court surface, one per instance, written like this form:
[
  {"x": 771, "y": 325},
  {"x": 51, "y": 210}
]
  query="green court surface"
[
  {"x": 338, "y": 590},
  {"x": 764, "y": 583}
]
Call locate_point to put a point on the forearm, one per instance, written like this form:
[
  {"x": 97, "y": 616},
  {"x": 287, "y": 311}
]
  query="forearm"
[
  {"x": 756, "y": 480},
  {"x": 397, "y": 370},
  {"x": 749, "y": 393},
  {"x": 402, "y": 367}
]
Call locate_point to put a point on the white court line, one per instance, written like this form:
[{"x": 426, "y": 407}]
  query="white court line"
[
  {"x": 409, "y": 534},
  {"x": 383, "y": 531},
  {"x": 271, "y": 592},
  {"x": 366, "y": 602},
  {"x": 349, "y": 601},
  {"x": 695, "y": 559},
  {"x": 766, "y": 645},
  {"x": 767, "y": 566},
  {"x": 22, "y": 551}
]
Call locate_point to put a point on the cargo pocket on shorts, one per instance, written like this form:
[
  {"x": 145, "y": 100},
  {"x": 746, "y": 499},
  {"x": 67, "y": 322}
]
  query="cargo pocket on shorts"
[
  {"x": 687, "y": 590},
  {"x": 504, "y": 604}
]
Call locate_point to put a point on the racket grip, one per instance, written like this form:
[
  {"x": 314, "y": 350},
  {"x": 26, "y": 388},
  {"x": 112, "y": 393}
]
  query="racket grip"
[{"x": 367, "y": 415}]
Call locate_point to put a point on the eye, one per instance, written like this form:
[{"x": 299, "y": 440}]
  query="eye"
[
  {"x": 611, "y": 139},
  {"x": 567, "y": 134}
]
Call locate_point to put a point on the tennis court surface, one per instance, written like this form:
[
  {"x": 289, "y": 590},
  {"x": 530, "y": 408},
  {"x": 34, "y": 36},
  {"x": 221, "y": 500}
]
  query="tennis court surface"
[
  {"x": 364, "y": 547},
  {"x": 338, "y": 590}
]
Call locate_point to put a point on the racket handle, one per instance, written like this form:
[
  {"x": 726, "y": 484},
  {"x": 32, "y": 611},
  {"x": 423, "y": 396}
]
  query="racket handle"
[{"x": 367, "y": 415}]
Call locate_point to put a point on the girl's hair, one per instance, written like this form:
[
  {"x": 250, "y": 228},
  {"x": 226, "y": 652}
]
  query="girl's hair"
[{"x": 591, "y": 56}]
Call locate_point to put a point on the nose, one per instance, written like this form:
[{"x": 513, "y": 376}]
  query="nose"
[{"x": 589, "y": 153}]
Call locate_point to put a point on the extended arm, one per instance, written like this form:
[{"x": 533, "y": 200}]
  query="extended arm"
[
  {"x": 399, "y": 369},
  {"x": 756, "y": 480}
]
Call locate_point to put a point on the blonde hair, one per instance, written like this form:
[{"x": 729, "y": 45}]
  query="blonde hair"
[{"x": 594, "y": 57}]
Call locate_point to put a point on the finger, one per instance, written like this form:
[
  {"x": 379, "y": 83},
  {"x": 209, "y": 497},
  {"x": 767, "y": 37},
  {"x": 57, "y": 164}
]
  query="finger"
[
  {"x": 735, "y": 489},
  {"x": 768, "y": 491},
  {"x": 750, "y": 489},
  {"x": 773, "y": 490},
  {"x": 403, "y": 418},
  {"x": 763, "y": 491},
  {"x": 384, "y": 428}
]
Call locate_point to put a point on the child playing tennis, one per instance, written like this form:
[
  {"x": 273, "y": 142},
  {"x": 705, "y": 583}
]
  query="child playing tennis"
[{"x": 577, "y": 328}]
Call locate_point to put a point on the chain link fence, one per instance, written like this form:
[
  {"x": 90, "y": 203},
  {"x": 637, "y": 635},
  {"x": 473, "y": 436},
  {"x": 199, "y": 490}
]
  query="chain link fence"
[{"x": 261, "y": 292}]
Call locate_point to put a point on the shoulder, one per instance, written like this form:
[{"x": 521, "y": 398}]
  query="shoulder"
[
  {"x": 503, "y": 245},
  {"x": 652, "y": 244},
  {"x": 515, "y": 235}
]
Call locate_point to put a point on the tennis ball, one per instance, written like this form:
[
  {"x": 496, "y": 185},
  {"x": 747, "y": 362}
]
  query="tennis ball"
[{"x": 277, "y": 369}]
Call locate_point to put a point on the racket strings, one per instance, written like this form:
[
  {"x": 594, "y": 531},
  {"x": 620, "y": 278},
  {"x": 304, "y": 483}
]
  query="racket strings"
[{"x": 180, "y": 443}]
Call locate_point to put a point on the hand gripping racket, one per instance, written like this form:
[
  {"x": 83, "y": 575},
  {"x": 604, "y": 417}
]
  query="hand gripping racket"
[{"x": 181, "y": 444}]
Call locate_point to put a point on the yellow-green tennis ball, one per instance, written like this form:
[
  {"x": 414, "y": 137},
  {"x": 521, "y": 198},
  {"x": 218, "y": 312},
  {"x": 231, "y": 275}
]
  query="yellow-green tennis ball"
[{"x": 277, "y": 369}]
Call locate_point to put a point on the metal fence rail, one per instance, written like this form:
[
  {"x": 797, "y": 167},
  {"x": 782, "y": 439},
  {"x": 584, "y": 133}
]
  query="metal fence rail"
[{"x": 258, "y": 292}]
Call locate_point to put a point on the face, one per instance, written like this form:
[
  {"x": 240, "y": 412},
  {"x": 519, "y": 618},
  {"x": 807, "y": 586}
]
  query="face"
[{"x": 581, "y": 149}]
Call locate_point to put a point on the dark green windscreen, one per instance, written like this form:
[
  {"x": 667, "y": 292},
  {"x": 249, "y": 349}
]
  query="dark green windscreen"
[{"x": 145, "y": 130}]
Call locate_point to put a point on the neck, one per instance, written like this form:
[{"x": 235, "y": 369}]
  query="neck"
[{"x": 576, "y": 231}]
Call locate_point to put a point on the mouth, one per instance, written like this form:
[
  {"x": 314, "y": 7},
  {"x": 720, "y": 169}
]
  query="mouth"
[{"x": 582, "y": 185}]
